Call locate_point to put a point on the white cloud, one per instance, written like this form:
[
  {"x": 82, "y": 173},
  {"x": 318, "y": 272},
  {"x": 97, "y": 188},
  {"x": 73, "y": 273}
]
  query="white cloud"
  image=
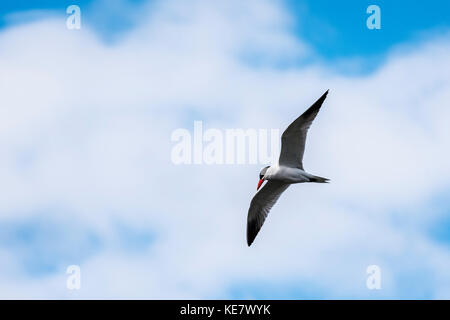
[{"x": 85, "y": 128}]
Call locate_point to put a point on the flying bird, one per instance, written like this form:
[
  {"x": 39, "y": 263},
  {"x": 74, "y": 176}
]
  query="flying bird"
[{"x": 287, "y": 171}]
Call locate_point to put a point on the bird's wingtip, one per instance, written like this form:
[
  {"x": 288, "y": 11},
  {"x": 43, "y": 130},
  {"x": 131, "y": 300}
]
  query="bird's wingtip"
[{"x": 324, "y": 95}]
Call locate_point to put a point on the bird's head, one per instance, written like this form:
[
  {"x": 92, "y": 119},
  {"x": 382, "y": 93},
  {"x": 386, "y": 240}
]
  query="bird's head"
[{"x": 262, "y": 175}]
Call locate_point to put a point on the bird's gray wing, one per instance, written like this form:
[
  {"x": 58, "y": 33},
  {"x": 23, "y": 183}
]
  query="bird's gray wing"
[
  {"x": 294, "y": 137},
  {"x": 260, "y": 206}
]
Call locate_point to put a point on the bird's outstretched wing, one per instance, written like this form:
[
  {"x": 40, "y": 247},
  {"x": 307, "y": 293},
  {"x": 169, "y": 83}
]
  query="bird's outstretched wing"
[
  {"x": 294, "y": 137},
  {"x": 260, "y": 206}
]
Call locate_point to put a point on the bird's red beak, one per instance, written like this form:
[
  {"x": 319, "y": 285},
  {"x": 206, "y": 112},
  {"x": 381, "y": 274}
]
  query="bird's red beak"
[{"x": 259, "y": 183}]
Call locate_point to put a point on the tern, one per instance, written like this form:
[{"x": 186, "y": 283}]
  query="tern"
[{"x": 287, "y": 171}]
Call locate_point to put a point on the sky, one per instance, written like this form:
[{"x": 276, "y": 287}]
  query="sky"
[{"x": 85, "y": 136}]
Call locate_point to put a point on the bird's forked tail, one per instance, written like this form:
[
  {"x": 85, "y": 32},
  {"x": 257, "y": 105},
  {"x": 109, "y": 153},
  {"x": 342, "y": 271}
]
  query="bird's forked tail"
[{"x": 318, "y": 179}]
